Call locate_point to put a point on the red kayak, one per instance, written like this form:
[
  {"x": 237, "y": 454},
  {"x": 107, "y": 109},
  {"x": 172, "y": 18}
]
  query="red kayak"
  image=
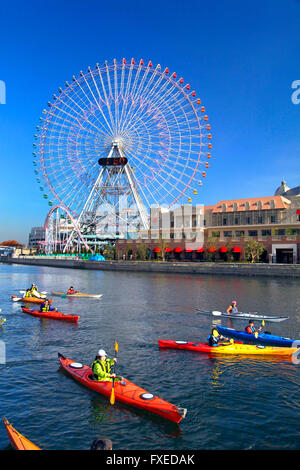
[
  {"x": 125, "y": 392},
  {"x": 52, "y": 314}
]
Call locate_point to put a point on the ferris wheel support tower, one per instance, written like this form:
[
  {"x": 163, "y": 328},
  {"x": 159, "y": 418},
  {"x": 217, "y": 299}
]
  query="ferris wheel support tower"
[{"x": 114, "y": 201}]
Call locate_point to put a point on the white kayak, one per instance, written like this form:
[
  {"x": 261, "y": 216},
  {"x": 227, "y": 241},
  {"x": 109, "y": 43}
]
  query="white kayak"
[
  {"x": 78, "y": 294},
  {"x": 243, "y": 315}
]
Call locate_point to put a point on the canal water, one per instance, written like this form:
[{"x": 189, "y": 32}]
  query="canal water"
[{"x": 233, "y": 403}]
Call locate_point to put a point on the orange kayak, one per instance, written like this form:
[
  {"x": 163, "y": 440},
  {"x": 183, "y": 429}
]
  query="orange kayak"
[
  {"x": 125, "y": 391},
  {"x": 32, "y": 300},
  {"x": 18, "y": 441}
]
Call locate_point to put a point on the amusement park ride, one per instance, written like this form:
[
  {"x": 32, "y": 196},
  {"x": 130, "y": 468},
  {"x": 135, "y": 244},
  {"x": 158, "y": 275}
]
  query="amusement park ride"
[{"x": 114, "y": 142}]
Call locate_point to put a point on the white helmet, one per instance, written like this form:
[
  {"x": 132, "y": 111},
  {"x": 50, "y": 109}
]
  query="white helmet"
[{"x": 101, "y": 353}]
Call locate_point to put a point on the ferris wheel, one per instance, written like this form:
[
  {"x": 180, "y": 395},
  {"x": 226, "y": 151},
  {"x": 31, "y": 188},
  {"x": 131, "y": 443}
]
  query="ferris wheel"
[{"x": 118, "y": 139}]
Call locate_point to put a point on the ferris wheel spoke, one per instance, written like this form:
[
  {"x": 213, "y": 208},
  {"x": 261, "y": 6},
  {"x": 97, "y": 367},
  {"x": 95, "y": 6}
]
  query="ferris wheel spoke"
[
  {"x": 107, "y": 102},
  {"x": 81, "y": 117},
  {"x": 92, "y": 107},
  {"x": 139, "y": 94}
]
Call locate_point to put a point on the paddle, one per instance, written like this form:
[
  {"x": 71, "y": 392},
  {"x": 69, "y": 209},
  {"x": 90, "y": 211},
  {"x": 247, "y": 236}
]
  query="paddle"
[
  {"x": 16, "y": 299},
  {"x": 24, "y": 292},
  {"x": 112, "y": 395}
]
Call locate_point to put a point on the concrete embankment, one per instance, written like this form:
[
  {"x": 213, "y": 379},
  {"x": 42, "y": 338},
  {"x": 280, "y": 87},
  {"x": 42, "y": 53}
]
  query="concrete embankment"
[{"x": 235, "y": 269}]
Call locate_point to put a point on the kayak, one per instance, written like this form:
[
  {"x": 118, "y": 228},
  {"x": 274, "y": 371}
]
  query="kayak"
[
  {"x": 228, "y": 348},
  {"x": 18, "y": 441},
  {"x": 262, "y": 338},
  {"x": 128, "y": 393},
  {"x": 78, "y": 294},
  {"x": 33, "y": 300},
  {"x": 243, "y": 315},
  {"x": 52, "y": 314}
]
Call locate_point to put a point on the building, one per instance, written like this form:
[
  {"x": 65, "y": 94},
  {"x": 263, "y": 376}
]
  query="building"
[
  {"x": 217, "y": 231},
  {"x": 36, "y": 236}
]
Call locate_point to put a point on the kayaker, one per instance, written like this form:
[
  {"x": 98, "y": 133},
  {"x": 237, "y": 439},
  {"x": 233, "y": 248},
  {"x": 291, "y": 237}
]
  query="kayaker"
[
  {"x": 46, "y": 307},
  {"x": 27, "y": 293},
  {"x": 232, "y": 308},
  {"x": 35, "y": 293},
  {"x": 101, "y": 444},
  {"x": 71, "y": 291},
  {"x": 214, "y": 338},
  {"x": 251, "y": 328},
  {"x": 101, "y": 367}
]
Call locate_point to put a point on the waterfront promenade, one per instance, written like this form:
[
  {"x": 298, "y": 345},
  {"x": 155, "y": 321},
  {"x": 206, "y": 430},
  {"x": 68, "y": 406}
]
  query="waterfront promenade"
[{"x": 235, "y": 269}]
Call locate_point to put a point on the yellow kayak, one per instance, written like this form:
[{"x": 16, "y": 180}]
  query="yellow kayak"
[
  {"x": 18, "y": 441},
  {"x": 229, "y": 348}
]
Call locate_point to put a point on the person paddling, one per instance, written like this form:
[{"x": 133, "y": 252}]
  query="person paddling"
[
  {"x": 35, "y": 293},
  {"x": 214, "y": 338},
  {"x": 232, "y": 308},
  {"x": 251, "y": 328},
  {"x": 27, "y": 294},
  {"x": 46, "y": 307},
  {"x": 71, "y": 291},
  {"x": 101, "y": 367}
]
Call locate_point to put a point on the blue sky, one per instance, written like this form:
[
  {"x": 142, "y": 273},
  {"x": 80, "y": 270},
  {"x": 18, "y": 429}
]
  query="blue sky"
[{"x": 240, "y": 57}]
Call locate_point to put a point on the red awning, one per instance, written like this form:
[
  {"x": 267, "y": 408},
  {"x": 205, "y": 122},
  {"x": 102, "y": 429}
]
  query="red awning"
[
  {"x": 157, "y": 250},
  {"x": 188, "y": 250},
  {"x": 200, "y": 250},
  {"x": 223, "y": 249},
  {"x": 168, "y": 250},
  {"x": 298, "y": 211},
  {"x": 211, "y": 249},
  {"x": 178, "y": 249},
  {"x": 236, "y": 249}
]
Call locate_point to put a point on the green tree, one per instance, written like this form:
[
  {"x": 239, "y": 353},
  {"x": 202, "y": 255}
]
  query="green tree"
[
  {"x": 163, "y": 244},
  {"x": 128, "y": 250},
  {"x": 109, "y": 252},
  {"x": 254, "y": 250},
  {"x": 141, "y": 251}
]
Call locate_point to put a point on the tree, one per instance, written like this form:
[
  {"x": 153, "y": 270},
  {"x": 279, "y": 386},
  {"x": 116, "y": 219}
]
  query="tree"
[
  {"x": 163, "y": 244},
  {"x": 128, "y": 250},
  {"x": 211, "y": 242},
  {"x": 229, "y": 256},
  {"x": 254, "y": 250},
  {"x": 109, "y": 252},
  {"x": 141, "y": 251}
]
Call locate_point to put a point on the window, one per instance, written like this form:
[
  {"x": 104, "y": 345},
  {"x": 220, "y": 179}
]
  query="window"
[
  {"x": 260, "y": 219},
  {"x": 204, "y": 222},
  {"x": 248, "y": 219},
  {"x": 272, "y": 219},
  {"x": 227, "y": 234},
  {"x": 236, "y": 221},
  {"x": 224, "y": 221},
  {"x": 266, "y": 233},
  {"x": 252, "y": 233},
  {"x": 215, "y": 234},
  {"x": 240, "y": 233},
  {"x": 281, "y": 231}
]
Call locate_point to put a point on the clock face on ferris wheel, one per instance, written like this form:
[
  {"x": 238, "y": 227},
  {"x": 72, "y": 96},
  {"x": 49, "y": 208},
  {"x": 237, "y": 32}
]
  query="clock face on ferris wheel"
[{"x": 157, "y": 119}]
